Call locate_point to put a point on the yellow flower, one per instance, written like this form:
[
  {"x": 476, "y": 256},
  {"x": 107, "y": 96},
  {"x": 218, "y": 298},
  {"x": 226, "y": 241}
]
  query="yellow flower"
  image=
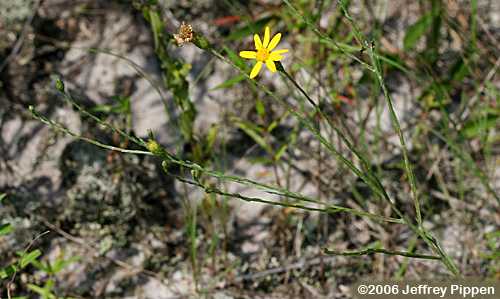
[{"x": 263, "y": 53}]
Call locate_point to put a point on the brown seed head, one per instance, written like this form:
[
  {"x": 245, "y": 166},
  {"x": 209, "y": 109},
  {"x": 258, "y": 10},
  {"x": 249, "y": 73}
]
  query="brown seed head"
[{"x": 185, "y": 34}]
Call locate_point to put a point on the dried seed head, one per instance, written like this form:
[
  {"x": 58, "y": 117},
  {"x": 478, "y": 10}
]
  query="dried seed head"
[{"x": 185, "y": 34}]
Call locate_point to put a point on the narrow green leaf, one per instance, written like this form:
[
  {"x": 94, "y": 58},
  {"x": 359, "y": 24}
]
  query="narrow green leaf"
[
  {"x": 493, "y": 235},
  {"x": 186, "y": 121},
  {"x": 394, "y": 61},
  {"x": 60, "y": 264},
  {"x": 273, "y": 125},
  {"x": 104, "y": 108},
  {"x": 121, "y": 107},
  {"x": 156, "y": 26},
  {"x": 477, "y": 127},
  {"x": 261, "y": 109},
  {"x": 250, "y": 29},
  {"x": 7, "y": 271},
  {"x": 280, "y": 151},
  {"x": 45, "y": 293},
  {"x": 235, "y": 58},
  {"x": 252, "y": 131},
  {"x": 230, "y": 82},
  {"x": 211, "y": 137},
  {"x": 5, "y": 229},
  {"x": 123, "y": 104},
  {"x": 36, "y": 289},
  {"x": 276, "y": 122},
  {"x": 26, "y": 259},
  {"x": 459, "y": 71},
  {"x": 2, "y": 196},
  {"x": 416, "y": 31},
  {"x": 45, "y": 267}
]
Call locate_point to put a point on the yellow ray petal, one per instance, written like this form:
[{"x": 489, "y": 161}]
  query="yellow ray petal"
[
  {"x": 275, "y": 57},
  {"x": 274, "y": 42},
  {"x": 280, "y": 51},
  {"x": 258, "y": 43},
  {"x": 256, "y": 69},
  {"x": 267, "y": 36},
  {"x": 270, "y": 65},
  {"x": 248, "y": 54}
]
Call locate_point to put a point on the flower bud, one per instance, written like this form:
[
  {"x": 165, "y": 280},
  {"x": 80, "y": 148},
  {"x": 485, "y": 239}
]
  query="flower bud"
[
  {"x": 59, "y": 85},
  {"x": 154, "y": 147}
]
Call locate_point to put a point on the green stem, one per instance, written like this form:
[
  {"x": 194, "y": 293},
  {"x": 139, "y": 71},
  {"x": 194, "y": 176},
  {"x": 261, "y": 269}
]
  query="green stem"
[
  {"x": 373, "y": 179},
  {"x": 60, "y": 128},
  {"x": 384, "y": 251},
  {"x": 331, "y": 209},
  {"x": 168, "y": 158},
  {"x": 418, "y": 229},
  {"x": 397, "y": 128}
]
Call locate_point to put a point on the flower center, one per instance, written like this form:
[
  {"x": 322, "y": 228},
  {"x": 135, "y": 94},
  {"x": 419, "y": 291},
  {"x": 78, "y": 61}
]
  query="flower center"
[{"x": 262, "y": 54}]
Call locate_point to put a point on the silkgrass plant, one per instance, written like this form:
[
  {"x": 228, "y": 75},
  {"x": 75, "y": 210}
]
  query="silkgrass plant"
[{"x": 307, "y": 111}]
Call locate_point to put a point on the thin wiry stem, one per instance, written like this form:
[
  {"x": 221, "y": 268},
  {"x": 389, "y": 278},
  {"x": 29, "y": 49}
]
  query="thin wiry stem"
[
  {"x": 69, "y": 99},
  {"x": 331, "y": 209},
  {"x": 320, "y": 34},
  {"x": 371, "y": 181},
  {"x": 61, "y": 128},
  {"x": 384, "y": 251},
  {"x": 418, "y": 229},
  {"x": 397, "y": 128},
  {"x": 377, "y": 185},
  {"x": 328, "y": 208}
]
